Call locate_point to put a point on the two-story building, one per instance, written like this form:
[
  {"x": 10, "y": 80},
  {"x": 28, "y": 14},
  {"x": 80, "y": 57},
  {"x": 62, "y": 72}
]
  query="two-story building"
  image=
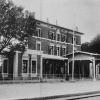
[{"x": 45, "y": 53}]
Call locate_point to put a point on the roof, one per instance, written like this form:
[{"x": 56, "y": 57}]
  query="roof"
[
  {"x": 82, "y": 52},
  {"x": 81, "y": 55},
  {"x": 60, "y": 27},
  {"x": 53, "y": 57}
]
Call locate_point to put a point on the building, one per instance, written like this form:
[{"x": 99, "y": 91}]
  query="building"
[{"x": 45, "y": 54}]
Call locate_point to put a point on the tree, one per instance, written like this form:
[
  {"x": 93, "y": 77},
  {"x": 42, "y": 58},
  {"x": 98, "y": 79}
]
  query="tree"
[
  {"x": 85, "y": 46},
  {"x": 15, "y": 26},
  {"x": 95, "y": 44}
]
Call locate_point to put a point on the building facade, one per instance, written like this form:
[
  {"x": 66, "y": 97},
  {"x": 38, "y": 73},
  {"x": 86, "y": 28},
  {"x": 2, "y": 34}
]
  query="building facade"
[{"x": 45, "y": 53}]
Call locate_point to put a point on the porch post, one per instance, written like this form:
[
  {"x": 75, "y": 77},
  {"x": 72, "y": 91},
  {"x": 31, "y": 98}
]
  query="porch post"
[
  {"x": 41, "y": 69},
  {"x": 94, "y": 76},
  {"x": 83, "y": 70},
  {"x": 68, "y": 68},
  {"x": 1, "y": 67},
  {"x": 15, "y": 65}
]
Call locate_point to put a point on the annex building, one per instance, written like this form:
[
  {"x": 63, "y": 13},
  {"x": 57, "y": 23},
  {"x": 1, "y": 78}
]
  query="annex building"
[{"x": 49, "y": 55}]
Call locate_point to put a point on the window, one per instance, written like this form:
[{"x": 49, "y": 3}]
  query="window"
[
  {"x": 38, "y": 45},
  {"x": 25, "y": 66},
  {"x": 63, "y": 51},
  {"x": 63, "y": 38},
  {"x": 51, "y": 35},
  {"x": 5, "y": 66},
  {"x": 51, "y": 49},
  {"x": 58, "y": 37},
  {"x": 74, "y": 40},
  {"x": 33, "y": 66},
  {"x": 58, "y": 50},
  {"x": 38, "y": 31}
]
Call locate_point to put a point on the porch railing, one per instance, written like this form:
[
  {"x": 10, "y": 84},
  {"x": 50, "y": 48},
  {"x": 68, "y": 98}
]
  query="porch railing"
[{"x": 46, "y": 77}]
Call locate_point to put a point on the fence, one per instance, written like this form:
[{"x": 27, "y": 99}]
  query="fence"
[{"x": 46, "y": 77}]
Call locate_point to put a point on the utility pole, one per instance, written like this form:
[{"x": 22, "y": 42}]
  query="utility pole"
[{"x": 73, "y": 58}]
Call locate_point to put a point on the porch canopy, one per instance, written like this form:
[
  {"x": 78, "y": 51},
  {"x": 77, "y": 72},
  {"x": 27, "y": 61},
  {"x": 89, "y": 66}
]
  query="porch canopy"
[
  {"x": 80, "y": 55},
  {"x": 84, "y": 64},
  {"x": 53, "y": 57}
]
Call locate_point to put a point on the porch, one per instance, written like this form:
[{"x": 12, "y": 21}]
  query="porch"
[{"x": 86, "y": 65}]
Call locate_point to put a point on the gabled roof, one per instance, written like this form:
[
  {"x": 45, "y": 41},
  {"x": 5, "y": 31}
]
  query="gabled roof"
[
  {"x": 82, "y": 52},
  {"x": 81, "y": 55}
]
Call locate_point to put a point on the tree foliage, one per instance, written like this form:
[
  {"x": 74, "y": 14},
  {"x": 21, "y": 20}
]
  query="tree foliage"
[
  {"x": 15, "y": 26},
  {"x": 93, "y": 46},
  {"x": 85, "y": 47}
]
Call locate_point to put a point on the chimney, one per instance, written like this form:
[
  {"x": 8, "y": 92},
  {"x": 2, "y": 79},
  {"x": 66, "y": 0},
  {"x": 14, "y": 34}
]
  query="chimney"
[
  {"x": 47, "y": 20},
  {"x": 26, "y": 15},
  {"x": 32, "y": 14},
  {"x": 76, "y": 28}
]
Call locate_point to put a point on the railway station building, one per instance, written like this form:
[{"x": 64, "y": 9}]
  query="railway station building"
[{"x": 49, "y": 55}]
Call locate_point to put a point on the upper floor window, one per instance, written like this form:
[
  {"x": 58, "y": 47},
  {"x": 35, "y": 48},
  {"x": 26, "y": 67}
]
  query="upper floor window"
[
  {"x": 74, "y": 40},
  {"x": 51, "y": 49},
  {"x": 63, "y": 38},
  {"x": 58, "y": 50},
  {"x": 38, "y": 45},
  {"x": 58, "y": 37},
  {"x": 51, "y": 35},
  {"x": 38, "y": 31},
  {"x": 63, "y": 51}
]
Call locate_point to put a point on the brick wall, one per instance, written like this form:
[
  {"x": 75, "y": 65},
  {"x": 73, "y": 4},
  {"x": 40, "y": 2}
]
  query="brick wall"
[
  {"x": 45, "y": 43},
  {"x": 32, "y": 43}
]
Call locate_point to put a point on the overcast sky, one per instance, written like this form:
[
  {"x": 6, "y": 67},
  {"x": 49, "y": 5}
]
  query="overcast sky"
[{"x": 85, "y": 14}]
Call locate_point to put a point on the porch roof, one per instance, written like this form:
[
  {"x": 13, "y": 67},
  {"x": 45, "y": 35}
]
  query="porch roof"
[
  {"x": 80, "y": 55},
  {"x": 53, "y": 57}
]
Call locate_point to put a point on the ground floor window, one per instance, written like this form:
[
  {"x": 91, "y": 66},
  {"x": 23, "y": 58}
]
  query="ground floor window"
[
  {"x": 5, "y": 66},
  {"x": 25, "y": 66},
  {"x": 98, "y": 68},
  {"x": 33, "y": 66}
]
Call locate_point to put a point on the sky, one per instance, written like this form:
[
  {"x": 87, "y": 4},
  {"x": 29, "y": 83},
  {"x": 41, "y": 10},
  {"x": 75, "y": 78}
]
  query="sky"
[{"x": 85, "y": 14}]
